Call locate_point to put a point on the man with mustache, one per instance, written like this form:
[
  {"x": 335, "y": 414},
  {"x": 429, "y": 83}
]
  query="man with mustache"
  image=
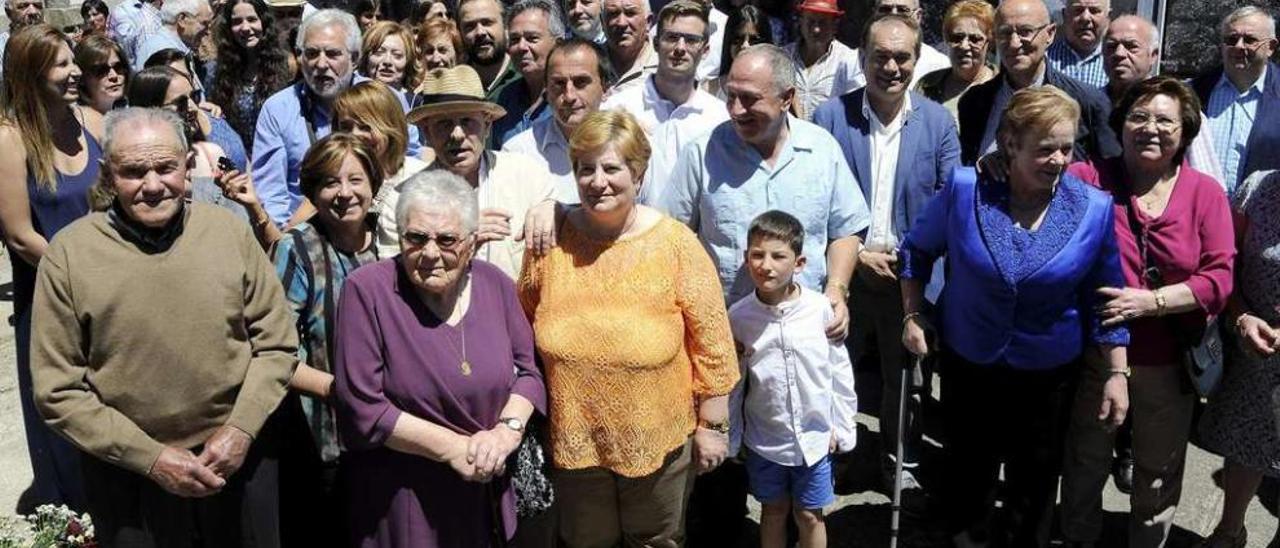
[
  {"x": 1242, "y": 99},
  {"x": 578, "y": 72},
  {"x": 1078, "y": 51},
  {"x": 484, "y": 39},
  {"x": 534, "y": 27},
  {"x": 627, "y": 39},
  {"x": 825, "y": 67},
  {"x": 763, "y": 158},
  {"x": 585, "y": 19},
  {"x": 21, "y": 14},
  {"x": 165, "y": 344},
  {"x": 455, "y": 118},
  {"x": 328, "y": 47},
  {"x": 902, "y": 148},
  {"x": 669, "y": 106},
  {"x": 1023, "y": 33}
]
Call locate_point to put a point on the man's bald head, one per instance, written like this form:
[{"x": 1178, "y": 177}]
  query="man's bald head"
[
  {"x": 1130, "y": 51},
  {"x": 1018, "y": 9},
  {"x": 1023, "y": 33}
]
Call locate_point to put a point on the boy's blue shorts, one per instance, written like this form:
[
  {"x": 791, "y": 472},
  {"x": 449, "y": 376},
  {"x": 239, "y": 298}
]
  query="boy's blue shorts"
[{"x": 809, "y": 487}]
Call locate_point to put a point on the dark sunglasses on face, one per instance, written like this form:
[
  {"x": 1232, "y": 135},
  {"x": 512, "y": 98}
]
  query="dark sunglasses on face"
[
  {"x": 101, "y": 71},
  {"x": 447, "y": 242}
]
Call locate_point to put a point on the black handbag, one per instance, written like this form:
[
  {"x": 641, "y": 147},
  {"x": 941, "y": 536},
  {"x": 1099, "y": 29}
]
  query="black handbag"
[
  {"x": 1203, "y": 359},
  {"x": 531, "y": 472}
]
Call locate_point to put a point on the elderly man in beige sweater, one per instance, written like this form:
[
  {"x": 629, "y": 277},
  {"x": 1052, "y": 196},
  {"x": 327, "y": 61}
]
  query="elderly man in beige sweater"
[{"x": 162, "y": 345}]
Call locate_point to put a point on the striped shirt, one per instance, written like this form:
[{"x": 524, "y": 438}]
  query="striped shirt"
[
  {"x": 1087, "y": 69},
  {"x": 1230, "y": 114}
]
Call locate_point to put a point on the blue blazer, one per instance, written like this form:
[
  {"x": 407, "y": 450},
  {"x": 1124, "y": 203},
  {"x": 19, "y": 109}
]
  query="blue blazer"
[
  {"x": 929, "y": 150},
  {"x": 1264, "y": 139},
  {"x": 1039, "y": 321}
]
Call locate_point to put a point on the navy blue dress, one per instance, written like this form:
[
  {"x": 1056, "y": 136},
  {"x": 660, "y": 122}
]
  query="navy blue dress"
[{"x": 54, "y": 462}]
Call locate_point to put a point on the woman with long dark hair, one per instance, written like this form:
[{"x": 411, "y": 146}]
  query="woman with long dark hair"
[
  {"x": 48, "y": 160},
  {"x": 256, "y": 64},
  {"x": 747, "y": 26}
]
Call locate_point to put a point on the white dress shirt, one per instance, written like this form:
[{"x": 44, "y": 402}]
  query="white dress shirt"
[
  {"x": 797, "y": 386},
  {"x": 669, "y": 127},
  {"x": 546, "y": 145},
  {"x": 886, "y": 140},
  {"x": 832, "y": 76},
  {"x": 930, "y": 60},
  {"x": 709, "y": 67}
]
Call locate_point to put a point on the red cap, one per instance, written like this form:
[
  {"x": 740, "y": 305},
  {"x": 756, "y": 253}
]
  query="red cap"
[{"x": 828, "y": 7}]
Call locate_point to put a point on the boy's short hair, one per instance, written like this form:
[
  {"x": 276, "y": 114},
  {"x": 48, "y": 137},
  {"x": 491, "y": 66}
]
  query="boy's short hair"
[{"x": 778, "y": 225}]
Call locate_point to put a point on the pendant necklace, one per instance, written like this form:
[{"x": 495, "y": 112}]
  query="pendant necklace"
[{"x": 465, "y": 365}]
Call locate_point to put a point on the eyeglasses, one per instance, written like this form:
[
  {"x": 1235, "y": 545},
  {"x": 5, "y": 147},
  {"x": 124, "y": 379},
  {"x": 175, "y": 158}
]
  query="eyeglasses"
[
  {"x": 959, "y": 38},
  {"x": 895, "y": 9},
  {"x": 1140, "y": 119},
  {"x": 102, "y": 70},
  {"x": 447, "y": 243},
  {"x": 671, "y": 38},
  {"x": 1025, "y": 34}
]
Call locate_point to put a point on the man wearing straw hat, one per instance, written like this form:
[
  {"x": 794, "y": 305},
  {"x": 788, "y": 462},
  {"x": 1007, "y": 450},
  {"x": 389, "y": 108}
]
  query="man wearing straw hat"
[
  {"x": 455, "y": 117},
  {"x": 825, "y": 68}
]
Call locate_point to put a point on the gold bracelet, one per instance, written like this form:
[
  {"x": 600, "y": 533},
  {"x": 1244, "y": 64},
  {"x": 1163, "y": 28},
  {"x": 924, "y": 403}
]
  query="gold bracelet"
[
  {"x": 910, "y": 316},
  {"x": 1160, "y": 302},
  {"x": 844, "y": 289}
]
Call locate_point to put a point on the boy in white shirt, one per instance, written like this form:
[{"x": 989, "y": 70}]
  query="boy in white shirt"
[{"x": 795, "y": 404}]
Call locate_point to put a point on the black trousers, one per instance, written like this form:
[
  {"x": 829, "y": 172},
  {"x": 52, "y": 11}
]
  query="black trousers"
[
  {"x": 717, "y": 511},
  {"x": 131, "y": 511},
  {"x": 311, "y": 501},
  {"x": 994, "y": 415}
]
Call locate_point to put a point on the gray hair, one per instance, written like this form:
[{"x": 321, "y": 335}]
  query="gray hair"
[
  {"x": 555, "y": 19},
  {"x": 1153, "y": 33},
  {"x": 171, "y": 10},
  {"x": 329, "y": 17},
  {"x": 784, "y": 69},
  {"x": 117, "y": 120},
  {"x": 440, "y": 190},
  {"x": 1248, "y": 11}
]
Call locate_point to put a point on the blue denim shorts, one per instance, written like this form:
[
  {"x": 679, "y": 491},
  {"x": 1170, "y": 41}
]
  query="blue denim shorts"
[{"x": 810, "y": 487}]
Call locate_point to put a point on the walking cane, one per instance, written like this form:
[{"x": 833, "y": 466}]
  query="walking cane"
[{"x": 897, "y": 463}]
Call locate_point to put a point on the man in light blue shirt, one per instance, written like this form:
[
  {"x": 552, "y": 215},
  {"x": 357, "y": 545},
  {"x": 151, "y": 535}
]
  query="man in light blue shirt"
[
  {"x": 132, "y": 19},
  {"x": 295, "y": 117},
  {"x": 765, "y": 159},
  {"x": 1241, "y": 102},
  {"x": 1078, "y": 50},
  {"x": 184, "y": 24}
]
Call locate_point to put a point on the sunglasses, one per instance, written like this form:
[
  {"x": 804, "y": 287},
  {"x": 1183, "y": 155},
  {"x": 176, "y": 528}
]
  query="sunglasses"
[
  {"x": 446, "y": 242},
  {"x": 102, "y": 70}
]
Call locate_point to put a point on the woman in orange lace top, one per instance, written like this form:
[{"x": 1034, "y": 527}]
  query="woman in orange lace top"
[{"x": 632, "y": 330}]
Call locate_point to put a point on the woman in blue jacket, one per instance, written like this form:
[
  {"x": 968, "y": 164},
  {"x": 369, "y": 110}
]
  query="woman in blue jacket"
[{"x": 1025, "y": 260}]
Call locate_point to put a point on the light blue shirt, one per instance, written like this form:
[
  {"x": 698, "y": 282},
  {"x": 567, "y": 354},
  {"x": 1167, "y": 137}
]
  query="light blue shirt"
[
  {"x": 151, "y": 43},
  {"x": 720, "y": 184},
  {"x": 1230, "y": 114},
  {"x": 281, "y": 139},
  {"x": 130, "y": 20},
  {"x": 1088, "y": 69}
]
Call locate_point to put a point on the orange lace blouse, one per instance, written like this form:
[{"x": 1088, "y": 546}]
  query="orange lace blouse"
[{"x": 631, "y": 333}]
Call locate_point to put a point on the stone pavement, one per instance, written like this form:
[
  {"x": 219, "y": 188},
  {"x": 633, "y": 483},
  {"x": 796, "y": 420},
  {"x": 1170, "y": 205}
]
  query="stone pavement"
[{"x": 859, "y": 518}]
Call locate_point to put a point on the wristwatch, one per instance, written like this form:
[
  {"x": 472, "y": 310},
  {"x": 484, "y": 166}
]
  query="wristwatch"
[
  {"x": 721, "y": 427},
  {"x": 512, "y": 423},
  {"x": 1126, "y": 371}
]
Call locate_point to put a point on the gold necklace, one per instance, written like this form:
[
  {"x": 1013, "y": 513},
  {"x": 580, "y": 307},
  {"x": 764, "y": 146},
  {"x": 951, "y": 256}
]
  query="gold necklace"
[{"x": 464, "y": 365}]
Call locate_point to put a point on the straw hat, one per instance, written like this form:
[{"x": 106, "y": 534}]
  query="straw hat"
[
  {"x": 285, "y": 3},
  {"x": 828, "y": 7},
  {"x": 451, "y": 91}
]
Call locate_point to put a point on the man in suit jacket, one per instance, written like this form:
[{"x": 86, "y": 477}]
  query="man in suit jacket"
[
  {"x": 901, "y": 148},
  {"x": 1241, "y": 99},
  {"x": 1023, "y": 33}
]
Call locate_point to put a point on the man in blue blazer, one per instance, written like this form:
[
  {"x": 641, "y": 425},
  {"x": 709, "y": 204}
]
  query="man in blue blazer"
[
  {"x": 901, "y": 147},
  {"x": 1241, "y": 99},
  {"x": 1023, "y": 34}
]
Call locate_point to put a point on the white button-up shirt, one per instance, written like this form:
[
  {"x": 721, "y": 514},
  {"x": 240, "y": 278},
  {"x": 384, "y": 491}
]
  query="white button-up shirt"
[
  {"x": 886, "y": 139},
  {"x": 709, "y": 67},
  {"x": 546, "y": 144},
  {"x": 834, "y": 74},
  {"x": 797, "y": 386},
  {"x": 669, "y": 127}
]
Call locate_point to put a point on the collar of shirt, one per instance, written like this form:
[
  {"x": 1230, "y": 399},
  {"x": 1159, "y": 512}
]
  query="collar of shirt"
[
  {"x": 904, "y": 114},
  {"x": 155, "y": 238},
  {"x": 547, "y": 133},
  {"x": 783, "y": 308},
  {"x": 647, "y": 59},
  {"x": 662, "y": 106},
  {"x": 798, "y": 141},
  {"x": 1062, "y": 48},
  {"x": 1007, "y": 88},
  {"x": 1258, "y": 85}
]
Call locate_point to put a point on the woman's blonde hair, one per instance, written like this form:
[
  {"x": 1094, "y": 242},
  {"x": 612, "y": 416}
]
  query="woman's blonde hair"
[
  {"x": 375, "y": 104},
  {"x": 30, "y": 54},
  {"x": 324, "y": 160},
  {"x": 1033, "y": 110},
  {"x": 378, "y": 34},
  {"x": 978, "y": 10},
  {"x": 611, "y": 127}
]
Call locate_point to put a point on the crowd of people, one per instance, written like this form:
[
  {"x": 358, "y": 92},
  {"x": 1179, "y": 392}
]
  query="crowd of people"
[{"x": 488, "y": 273}]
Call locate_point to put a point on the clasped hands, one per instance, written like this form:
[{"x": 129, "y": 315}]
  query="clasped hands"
[
  {"x": 482, "y": 456},
  {"x": 183, "y": 473}
]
